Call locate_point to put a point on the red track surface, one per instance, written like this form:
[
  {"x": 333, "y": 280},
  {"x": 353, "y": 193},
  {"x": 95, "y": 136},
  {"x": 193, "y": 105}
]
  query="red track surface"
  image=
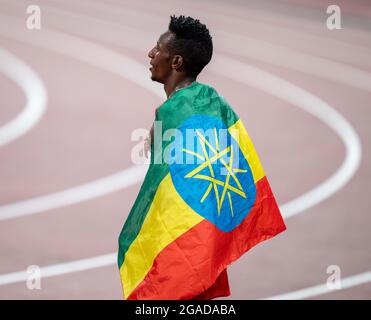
[{"x": 85, "y": 133}]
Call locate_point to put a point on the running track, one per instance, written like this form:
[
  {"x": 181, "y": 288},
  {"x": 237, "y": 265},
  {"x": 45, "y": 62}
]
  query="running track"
[{"x": 72, "y": 93}]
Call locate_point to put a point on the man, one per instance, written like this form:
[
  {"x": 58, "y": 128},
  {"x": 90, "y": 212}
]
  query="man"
[
  {"x": 199, "y": 208},
  {"x": 179, "y": 55}
]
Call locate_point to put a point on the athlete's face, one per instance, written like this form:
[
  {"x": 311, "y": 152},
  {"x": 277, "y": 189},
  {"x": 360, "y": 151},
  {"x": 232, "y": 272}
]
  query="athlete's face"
[{"x": 161, "y": 59}]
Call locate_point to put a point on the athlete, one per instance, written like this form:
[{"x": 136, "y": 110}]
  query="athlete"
[
  {"x": 191, "y": 221},
  {"x": 177, "y": 58}
]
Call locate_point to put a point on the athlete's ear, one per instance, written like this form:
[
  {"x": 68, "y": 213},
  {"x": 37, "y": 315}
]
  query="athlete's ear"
[{"x": 177, "y": 62}]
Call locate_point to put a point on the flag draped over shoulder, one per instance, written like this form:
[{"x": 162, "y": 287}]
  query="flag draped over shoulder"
[{"x": 205, "y": 201}]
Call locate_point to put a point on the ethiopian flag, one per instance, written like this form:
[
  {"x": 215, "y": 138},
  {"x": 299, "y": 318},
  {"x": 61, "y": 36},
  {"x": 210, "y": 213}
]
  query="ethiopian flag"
[{"x": 204, "y": 202}]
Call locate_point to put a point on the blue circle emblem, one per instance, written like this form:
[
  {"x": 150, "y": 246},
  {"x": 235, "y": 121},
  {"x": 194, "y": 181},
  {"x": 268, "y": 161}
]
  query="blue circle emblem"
[{"x": 210, "y": 172}]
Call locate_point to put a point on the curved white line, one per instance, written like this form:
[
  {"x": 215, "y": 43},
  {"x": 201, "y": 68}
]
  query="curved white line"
[
  {"x": 34, "y": 90},
  {"x": 62, "y": 268},
  {"x": 85, "y": 192},
  {"x": 348, "y": 282},
  {"x": 310, "y": 103}
]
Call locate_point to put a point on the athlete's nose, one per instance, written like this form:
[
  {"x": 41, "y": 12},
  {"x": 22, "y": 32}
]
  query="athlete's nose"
[{"x": 150, "y": 53}]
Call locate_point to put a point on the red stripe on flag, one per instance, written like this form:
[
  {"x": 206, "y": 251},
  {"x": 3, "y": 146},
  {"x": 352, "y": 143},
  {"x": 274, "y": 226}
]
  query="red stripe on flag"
[
  {"x": 220, "y": 288},
  {"x": 191, "y": 264}
]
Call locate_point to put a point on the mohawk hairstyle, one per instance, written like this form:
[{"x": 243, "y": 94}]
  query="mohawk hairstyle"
[{"x": 192, "y": 41}]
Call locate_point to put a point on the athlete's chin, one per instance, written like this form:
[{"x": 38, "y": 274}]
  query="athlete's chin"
[{"x": 154, "y": 78}]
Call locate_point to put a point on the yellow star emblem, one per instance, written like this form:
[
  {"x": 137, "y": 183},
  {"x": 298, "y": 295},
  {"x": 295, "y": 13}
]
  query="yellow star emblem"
[{"x": 218, "y": 154}]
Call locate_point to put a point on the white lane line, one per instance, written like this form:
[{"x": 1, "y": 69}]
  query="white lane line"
[
  {"x": 314, "y": 291},
  {"x": 312, "y": 104},
  {"x": 62, "y": 268},
  {"x": 85, "y": 192},
  {"x": 35, "y": 92}
]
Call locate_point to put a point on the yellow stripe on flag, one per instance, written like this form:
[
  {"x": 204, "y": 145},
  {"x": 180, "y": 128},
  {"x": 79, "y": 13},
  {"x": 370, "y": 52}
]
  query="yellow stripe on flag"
[
  {"x": 239, "y": 133},
  {"x": 168, "y": 218}
]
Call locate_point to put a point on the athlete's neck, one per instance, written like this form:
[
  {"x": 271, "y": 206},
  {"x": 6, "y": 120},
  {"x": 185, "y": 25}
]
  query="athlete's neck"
[{"x": 173, "y": 85}]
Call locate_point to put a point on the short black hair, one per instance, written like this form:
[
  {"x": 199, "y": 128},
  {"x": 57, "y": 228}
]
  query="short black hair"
[{"x": 192, "y": 41}]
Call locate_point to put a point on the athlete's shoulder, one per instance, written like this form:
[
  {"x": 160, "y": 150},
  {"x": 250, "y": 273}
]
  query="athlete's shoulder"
[
  {"x": 216, "y": 96},
  {"x": 209, "y": 90}
]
